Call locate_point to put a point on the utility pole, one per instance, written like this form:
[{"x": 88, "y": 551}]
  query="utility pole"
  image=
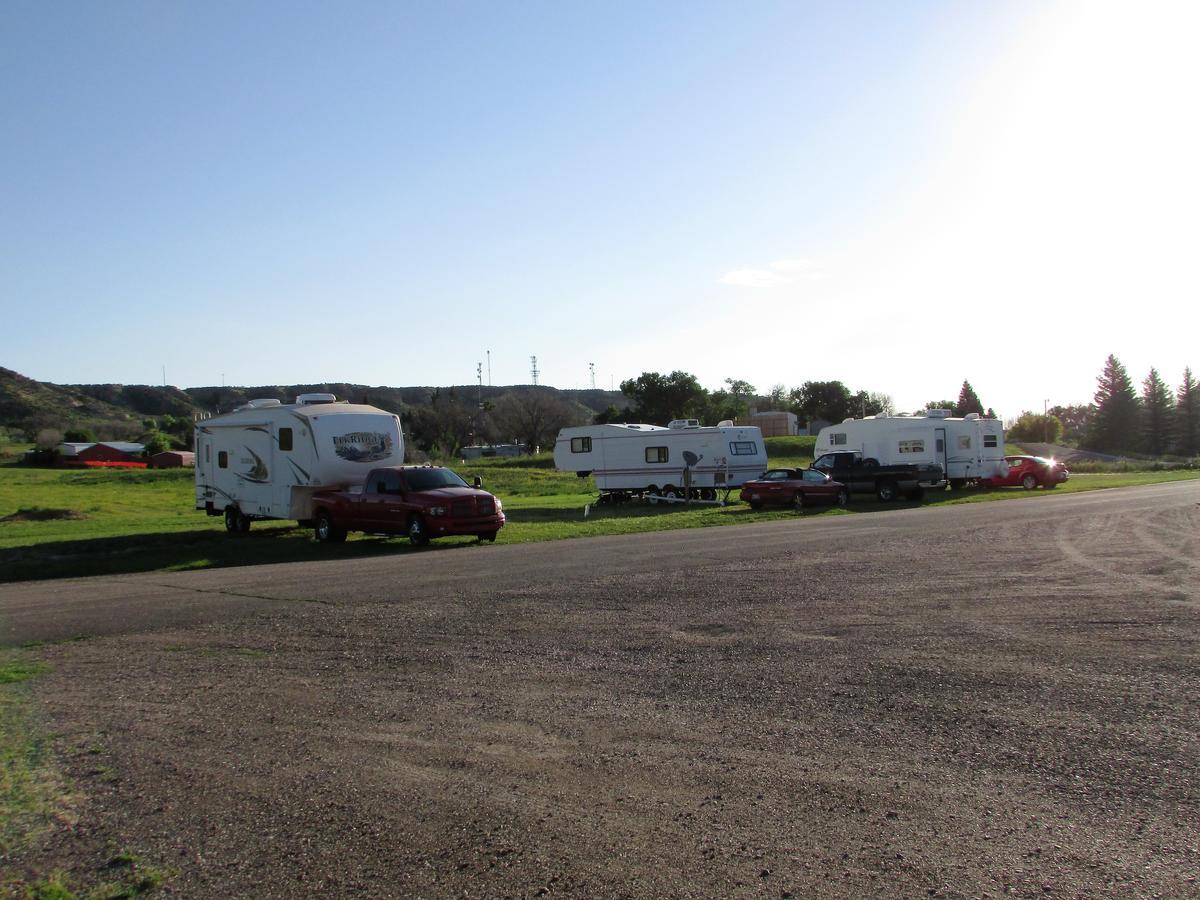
[
  {"x": 592, "y": 369},
  {"x": 479, "y": 376},
  {"x": 533, "y": 369},
  {"x": 1045, "y": 421},
  {"x": 489, "y": 355}
]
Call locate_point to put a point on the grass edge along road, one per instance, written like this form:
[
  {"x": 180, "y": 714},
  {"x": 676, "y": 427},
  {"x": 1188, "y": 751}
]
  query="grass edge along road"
[{"x": 58, "y": 523}]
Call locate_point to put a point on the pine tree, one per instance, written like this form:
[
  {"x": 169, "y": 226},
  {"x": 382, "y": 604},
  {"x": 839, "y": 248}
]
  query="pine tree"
[
  {"x": 1115, "y": 424},
  {"x": 968, "y": 401},
  {"x": 1157, "y": 407},
  {"x": 1187, "y": 416}
]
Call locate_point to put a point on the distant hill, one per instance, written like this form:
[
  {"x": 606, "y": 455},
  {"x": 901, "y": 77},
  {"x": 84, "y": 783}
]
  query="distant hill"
[{"x": 117, "y": 411}]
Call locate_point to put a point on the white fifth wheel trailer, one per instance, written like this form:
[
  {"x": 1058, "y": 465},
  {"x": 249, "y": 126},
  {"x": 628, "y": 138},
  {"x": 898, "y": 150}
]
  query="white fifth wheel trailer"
[
  {"x": 657, "y": 462},
  {"x": 967, "y": 449},
  {"x": 266, "y": 459}
]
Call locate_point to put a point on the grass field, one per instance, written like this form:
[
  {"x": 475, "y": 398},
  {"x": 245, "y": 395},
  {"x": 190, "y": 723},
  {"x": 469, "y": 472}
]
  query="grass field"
[{"x": 58, "y": 523}]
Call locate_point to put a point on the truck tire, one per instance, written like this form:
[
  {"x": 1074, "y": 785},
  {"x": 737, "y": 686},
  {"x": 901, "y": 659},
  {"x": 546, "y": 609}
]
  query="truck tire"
[
  {"x": 326, "y": 531},
  {"x": 755, "y": 504},
  {"x": 798, "y": 501},
  {"x": 1029, "y": 482},
  {"x": 418, "y": 531},
  {"x": 886, "y": 491},
  {"x": 489, "y": 536}
]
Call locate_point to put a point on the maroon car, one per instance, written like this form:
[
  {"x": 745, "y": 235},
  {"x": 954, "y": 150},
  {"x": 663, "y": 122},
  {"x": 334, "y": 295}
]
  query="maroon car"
[
  {"x": 1029, "y": 472},
  {"x": 422, "y": 502},
  {"x": 794, "y": 487}
]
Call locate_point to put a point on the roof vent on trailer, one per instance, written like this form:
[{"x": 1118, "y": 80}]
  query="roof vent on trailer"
[
  {"x": 937, "y": 413},
  {"x": 684, "y": 423},
  {"x": 306, "y": 399},
  {"x": 972, "y": 416},
  {"x": 725, "y": 423},
  {"x": 262, "y": 403}
]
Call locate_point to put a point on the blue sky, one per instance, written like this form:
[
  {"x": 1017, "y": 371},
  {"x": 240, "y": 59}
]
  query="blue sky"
[{"x": 897, "y": 195}]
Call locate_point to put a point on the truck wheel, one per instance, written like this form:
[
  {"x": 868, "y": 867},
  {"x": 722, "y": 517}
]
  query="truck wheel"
[
  {"x": 325, "y": 530},
  {"x": 798, "y": 501},
  {"x": 489, "y": 536},
  {"x": 843, "y": 497},
  {"x": 886, "y": 491},
  {"x": 755, "y": 504},
  {"x": 418, "y": 533},
  {"x": 1029, "y": 482}
]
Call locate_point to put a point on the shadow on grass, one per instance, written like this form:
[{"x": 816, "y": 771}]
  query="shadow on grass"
[{"x": 184, "y": 550}]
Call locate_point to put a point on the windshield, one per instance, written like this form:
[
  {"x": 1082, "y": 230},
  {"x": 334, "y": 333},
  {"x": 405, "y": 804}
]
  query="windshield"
[{"x": 428, "y": 479}]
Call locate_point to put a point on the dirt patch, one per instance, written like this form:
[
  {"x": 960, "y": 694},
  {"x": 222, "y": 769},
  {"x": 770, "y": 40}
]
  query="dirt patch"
[{"x": 39, "y": 514}]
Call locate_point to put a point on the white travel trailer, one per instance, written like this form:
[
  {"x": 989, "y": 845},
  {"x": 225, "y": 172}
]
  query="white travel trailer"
[
  {"x": 266, "y": 459},
  {"x": 967, "y": 449},
  {"x": 658, "y": 462}
]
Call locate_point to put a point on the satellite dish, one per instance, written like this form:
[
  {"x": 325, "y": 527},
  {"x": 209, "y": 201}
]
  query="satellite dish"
[{"x": 690, "y": 458}]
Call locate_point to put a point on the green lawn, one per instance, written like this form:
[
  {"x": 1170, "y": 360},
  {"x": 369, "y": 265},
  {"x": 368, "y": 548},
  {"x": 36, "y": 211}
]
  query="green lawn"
[{"x": 144, "y": 520}]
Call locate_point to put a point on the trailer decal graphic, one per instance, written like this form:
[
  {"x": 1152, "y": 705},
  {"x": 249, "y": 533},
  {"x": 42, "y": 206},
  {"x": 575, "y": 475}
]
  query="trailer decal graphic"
[
  {"x": 363, "y": 446},
  {"x": 258, "y": 472}
]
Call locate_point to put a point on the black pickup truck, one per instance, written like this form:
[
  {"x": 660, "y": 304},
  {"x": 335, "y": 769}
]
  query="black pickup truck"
[{"x": 867, "y": 476}]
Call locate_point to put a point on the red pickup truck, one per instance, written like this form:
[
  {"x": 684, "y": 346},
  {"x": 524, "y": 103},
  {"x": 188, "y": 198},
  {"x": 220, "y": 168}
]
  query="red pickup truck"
[{"x": 421, "y": 501}]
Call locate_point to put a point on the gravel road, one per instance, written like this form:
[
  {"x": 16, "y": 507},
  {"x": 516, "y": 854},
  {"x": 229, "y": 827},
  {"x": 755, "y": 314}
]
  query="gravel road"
[{"x": 976, "y": 700}]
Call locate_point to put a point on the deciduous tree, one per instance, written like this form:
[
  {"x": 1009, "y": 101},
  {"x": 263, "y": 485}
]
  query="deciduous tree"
[
  {"x": 657, "y": 399},
  {"x": 1036, "y": 427}
]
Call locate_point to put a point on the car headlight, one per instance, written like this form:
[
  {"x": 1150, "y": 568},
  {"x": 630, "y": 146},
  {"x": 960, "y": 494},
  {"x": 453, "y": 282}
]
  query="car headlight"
[
  {"x": 437, "y": 510},
  {"x": 499, "y": 505}
]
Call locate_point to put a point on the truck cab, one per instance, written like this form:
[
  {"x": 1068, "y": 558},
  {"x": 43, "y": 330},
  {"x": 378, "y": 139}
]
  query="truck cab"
[{"x": 866, "y": 476}]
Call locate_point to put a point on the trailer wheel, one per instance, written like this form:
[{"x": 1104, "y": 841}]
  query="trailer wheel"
[
  {"x": 326, "y": 532},
  {"x": 1029, "y": 482},
  {"x": 651, "y": 494},
  {"x": 670, "y": 493},
  {"x": 236, "y": 522},
  {"x": 418, "y": 532},
  {"x": 886, "y": 491},
  {"x": 798, "y": 501}
]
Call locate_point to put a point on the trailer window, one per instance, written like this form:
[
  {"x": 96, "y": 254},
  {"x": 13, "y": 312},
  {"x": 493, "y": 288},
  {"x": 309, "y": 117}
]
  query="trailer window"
[
  {"x": 743, "y": 448},
  {"x": 581, "y": 445},
  {"x": 285, "y": 439},
  {"x": 912, "y": 446},
  {"x": 657, "y": 454},
  {"x": 838, "y": 438},
  {"x": 222, "y": 459},
  {"x": 990, "y": 440},
  {"x": 964, "y": 442},
  {"x": 207, "y": 453}
]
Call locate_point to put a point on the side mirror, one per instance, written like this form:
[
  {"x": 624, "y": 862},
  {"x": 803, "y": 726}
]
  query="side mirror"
[{"x": 478, "y": 482}]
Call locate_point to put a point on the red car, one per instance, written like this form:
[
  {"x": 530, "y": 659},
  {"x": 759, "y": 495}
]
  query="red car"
[
  {"x": 1029, "y": 472},
  {"x": 794, "y": 487}
]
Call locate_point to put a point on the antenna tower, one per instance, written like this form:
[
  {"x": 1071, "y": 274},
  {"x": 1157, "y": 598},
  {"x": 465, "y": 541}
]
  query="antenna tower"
[
  {"x": 533, "y": 369},
  {"x": 592, "y": 369},
  {"x": 479, "y": 377}
]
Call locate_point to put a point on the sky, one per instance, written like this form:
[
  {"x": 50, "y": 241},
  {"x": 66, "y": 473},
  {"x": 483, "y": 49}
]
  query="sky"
[{"x": 897, "y": 195}]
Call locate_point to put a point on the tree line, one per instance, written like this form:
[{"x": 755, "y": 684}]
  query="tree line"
[
  {"x": 1155, "y": 421},
  {"x": 657, "y": 399}
]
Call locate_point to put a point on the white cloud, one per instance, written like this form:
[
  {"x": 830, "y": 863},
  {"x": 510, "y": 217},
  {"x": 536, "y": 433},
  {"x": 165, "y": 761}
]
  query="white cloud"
[
  {"x": 796, "y": 269},
  {"x": 754, "y": 278}
]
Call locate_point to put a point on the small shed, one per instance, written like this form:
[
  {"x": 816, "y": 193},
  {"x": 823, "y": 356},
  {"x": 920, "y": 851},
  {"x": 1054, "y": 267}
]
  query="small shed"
[{"x": 172, "y": 459}]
